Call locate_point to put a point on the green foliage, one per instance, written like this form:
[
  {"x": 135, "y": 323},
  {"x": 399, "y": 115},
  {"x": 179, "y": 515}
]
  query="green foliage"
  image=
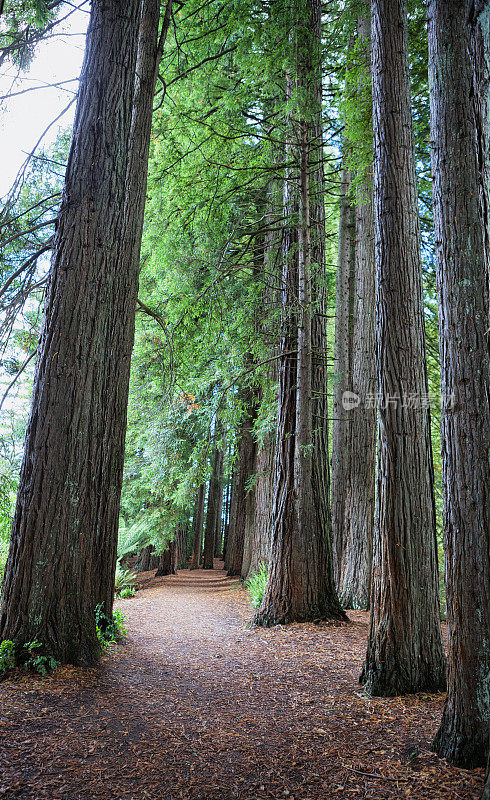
[
  {"x": 109, "y": 630},
  {"x": 256, "y": 585},
  {"x": 8, "y": 488},
  {"x": 7, "y": 656},
  {"x": 125, "y": 582},
  {"x": 126, "y": 592},
  {"x": 356, "y": 108},
  {"x": 132, "y": 538},
  {"x": 38, "y": 662}
]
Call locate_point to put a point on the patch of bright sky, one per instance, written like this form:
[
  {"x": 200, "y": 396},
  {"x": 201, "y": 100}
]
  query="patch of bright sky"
[{"x": 24, "y": 117}]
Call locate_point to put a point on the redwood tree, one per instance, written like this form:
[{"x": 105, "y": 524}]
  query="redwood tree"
[
  {"x": 342, "y": 376},
  {"x": 63, "y": 547},
  {"x": 404, "y": 651},
  {"x": 214, "y": 494},
  {"x": 358, "y": 489},
  {"x": 243, "y": 471},
  {"x": 300, "y": 583},
  {"x": 461, "y": 229},
  {"x": 197, "y": 524}
]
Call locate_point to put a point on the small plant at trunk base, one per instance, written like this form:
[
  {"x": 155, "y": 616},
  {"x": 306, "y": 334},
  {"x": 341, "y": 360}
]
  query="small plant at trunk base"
[
  {"x": 38, "y": 662},
  {"x": 7, "y": 657},
  {"x": 109, "y": 630},
  {"x": 256, "y": 585}
]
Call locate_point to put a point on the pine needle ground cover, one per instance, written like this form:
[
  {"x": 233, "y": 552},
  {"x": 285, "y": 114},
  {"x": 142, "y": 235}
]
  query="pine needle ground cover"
[{"x": 198, "y": 705}]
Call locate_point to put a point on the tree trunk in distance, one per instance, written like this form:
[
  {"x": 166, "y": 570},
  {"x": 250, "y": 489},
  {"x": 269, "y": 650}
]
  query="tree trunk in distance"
[
  {"x": 226, "y": 526},
  {"x": 198, "y": 523},
  {"x": 249, "y": 534},
  {"x": 147, "y": 560},
  {"x": 354, "y": 581},
  {"x": 244, "y": 469},
  {"x": 212, "y": 509},
  {"x": 63, "y": 546},
  {"x": 300, "y": 585},
  {"x": 463, "y": 736},
  {"x": 181, "y": 544},
  {"x": 218, "y": 539},
  {"x": 167, "y": 561},
  {"x": 404, "y": 652},
  {"x": 230, "y": 541},
  {"x": 342, "y": 377}
]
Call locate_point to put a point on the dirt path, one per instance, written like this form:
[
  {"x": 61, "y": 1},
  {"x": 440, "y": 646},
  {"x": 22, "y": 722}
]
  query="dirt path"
[{"x": 198, "y": 706}]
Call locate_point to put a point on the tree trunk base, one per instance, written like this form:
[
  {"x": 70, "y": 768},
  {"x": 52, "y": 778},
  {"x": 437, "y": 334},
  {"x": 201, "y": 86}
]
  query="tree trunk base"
[
  {"x": 356, "y": 602},
  {"x": 463, "y": 749},
  {"x": 268, "y": 617},
  {"x": 389, "y": 679}
]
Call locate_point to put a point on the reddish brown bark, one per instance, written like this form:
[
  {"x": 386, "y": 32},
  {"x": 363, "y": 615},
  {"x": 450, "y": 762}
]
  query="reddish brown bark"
[
  {"x": 458, "y": 163},
  {"x": 404, "y": 651},
  {"x": 198, "y": 526},
  {"x": 214, "y": 494},
  {"x": 300, "y": 585},
  {"x": 167, "y": 561}
]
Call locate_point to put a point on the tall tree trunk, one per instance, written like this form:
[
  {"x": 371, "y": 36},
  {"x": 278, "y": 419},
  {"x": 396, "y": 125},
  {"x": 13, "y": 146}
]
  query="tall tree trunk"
[
  {"x": 300, "y": 585},
  {"x": 263, "y": 495},
  {"x": 226, "y": 522},
  {"x": 167, "y": 561},
  {"x": 260, "y": 525},
  {"x": 63, "y": 547},
  {"x": 214, "y": 494},
  {"x": 463, "y": 736},
  {"x": 244, "y": 469},
  {"x": 342, "y": 377},
  {"x": 198, "y": 523},
  {"x": 218, "y": 539},
  {"x": 404, "y": 651},
  {"x": 181, "y": 543},
  {"x": 354, "y": 581},
  {"x": 249, "y": 533}
]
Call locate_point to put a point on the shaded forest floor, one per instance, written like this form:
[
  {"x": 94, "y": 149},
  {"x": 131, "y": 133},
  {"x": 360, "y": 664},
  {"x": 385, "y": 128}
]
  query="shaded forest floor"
[{"x": 195, "y": 705}]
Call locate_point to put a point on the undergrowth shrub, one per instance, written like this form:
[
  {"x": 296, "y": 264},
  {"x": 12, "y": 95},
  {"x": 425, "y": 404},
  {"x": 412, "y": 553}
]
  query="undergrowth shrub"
[
  {"x": 32, "y": 658},
  {"x": 7, "y": 656},
  {"x": 125, "y": 581},
  {"x": 39, "y": 662},
  {"x": 109, "y": 630},
  {"x": 256, "y": 584}
]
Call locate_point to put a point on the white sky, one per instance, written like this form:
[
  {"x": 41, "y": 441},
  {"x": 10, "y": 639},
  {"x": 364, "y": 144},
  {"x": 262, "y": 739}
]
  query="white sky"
[{"x": 25, "y": 117}]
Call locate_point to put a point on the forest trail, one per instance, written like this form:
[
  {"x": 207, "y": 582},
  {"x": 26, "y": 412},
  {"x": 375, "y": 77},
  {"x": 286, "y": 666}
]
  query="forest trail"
[{"x": 196, "y": 706}]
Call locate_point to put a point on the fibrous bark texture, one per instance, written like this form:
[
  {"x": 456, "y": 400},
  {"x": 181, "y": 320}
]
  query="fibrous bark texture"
[
  {"x": 354, "y": 578},
  {"x": 242, "y": 498},
  {"x": 463, "y": 736},
  {"x": 63, "y": 548},
  {"x": 300, "y": 585},
  {"x": 404, "y": 648},
  {"x": 342, "y": 374},
  {"x": 261, "y": 526}
]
